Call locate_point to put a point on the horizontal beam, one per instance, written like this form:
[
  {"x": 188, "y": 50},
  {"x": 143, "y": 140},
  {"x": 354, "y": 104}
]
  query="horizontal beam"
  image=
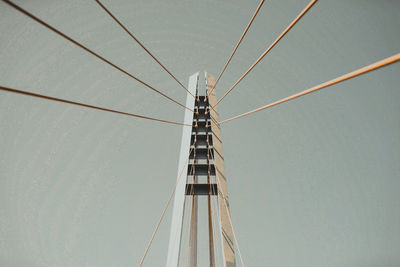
[
  {"x": 200, "y": 169},
  {"x": 201, "y": 189}
]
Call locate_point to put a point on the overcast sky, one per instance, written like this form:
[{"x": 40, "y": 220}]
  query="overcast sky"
[{"x": 312, "y": 182}]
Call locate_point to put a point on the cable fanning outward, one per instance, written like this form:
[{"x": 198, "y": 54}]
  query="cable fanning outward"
[
  {"x": 237, "y": 45},
  {"x": 12, "y": 90},
  {"x": 229, "y": 215},
  {"x": 304, "y": 11},
  {"x": 139, "y": 43},
  {"x": 347, "y": 76},
  {"x": 20, "y": 9}
]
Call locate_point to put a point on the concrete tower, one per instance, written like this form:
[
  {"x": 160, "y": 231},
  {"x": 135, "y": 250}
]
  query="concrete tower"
[{"x": 201, "y": 179}]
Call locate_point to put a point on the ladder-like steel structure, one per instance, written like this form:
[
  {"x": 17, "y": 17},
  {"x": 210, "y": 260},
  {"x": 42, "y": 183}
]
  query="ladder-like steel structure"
[{"x": 202, "y": 164}]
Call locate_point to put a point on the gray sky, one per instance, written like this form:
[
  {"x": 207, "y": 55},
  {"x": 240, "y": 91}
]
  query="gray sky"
[{"x": 313, "y": 182}]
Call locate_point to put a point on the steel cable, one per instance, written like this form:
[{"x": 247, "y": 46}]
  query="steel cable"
[
  {"x": 12, "y": 90},
  {"x": 229, "y": 217},
  {"x": 304, "y": 11},
  {"x": 374, "y": 66},
  {"x": 237, "y": 45},
  {"x": 20, "y": 9},
  {"x": 163, "y": 212},
  {"x": 139, "y": 43}
]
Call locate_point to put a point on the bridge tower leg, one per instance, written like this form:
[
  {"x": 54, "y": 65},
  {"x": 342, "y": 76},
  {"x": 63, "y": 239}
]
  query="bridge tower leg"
[{"x": 202, "y": 162}]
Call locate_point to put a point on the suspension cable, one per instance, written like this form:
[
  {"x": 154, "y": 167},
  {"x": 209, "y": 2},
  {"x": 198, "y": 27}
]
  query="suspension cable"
[
  {"x": 237, "y": 45},
  {"x": 20, "y": 9},
  {"x": 374, "y": 66},
  {"x": 187, "y": 218},
  {"x": 304, "y": 11},
  {"x": 164, "y": 210},
  {"x": 12, "y": 90},
  {"x": 214, "y": 210},
  {"x": 139, "y": 43},
  {"x": 224, "y": 199}
]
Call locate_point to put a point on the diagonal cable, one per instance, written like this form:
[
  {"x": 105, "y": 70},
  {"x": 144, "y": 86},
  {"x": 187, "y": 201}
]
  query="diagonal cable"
[
  {"x": 164, "y": 210},
  {"x": 16, "y": 91},
  {"x": 229, "y": 215},
  {"x": 237, "y": 45},
  {"x": 374, "y": 66},
  {"x": 20, "y": 9},
  {"x": 139, "y": 43},
  {"x": 304, "y": 11}
]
